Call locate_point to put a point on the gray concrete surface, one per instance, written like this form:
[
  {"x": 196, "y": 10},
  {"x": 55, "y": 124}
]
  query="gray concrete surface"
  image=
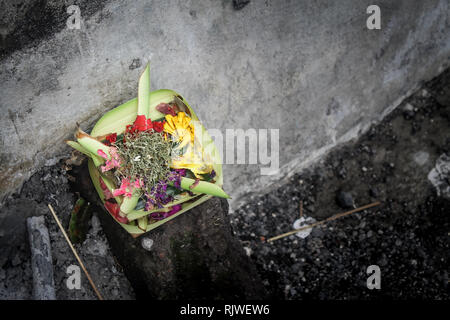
[{"x": 311, "y": 69}]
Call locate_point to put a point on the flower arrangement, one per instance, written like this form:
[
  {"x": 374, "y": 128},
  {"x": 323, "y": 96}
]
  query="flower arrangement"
[{"x": 150, "y": 159}]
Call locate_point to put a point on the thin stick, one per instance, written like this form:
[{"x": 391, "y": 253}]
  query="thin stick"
[
  {"x": 301, "y": 209},
  {"x": 323, "y": 221},
  {"x": 75, "y": 253}
]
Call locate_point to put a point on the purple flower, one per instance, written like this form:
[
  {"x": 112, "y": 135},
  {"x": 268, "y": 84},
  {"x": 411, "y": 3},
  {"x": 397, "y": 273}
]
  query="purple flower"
[
  {"x": 181, "y": 172},
  {"x": 162, "y": 215},
  {"x": 175, "y": 177},
  {"x": 158, "y": 195},
  {"x": 148, "y": 206}
]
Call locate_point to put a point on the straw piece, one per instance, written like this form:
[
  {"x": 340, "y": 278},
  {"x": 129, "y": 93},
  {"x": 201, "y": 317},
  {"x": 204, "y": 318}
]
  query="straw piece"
[
  {"x": 75, "y": 253},
  {"x": 301, "y": 209},
  {"x": 374, "y": 204}
]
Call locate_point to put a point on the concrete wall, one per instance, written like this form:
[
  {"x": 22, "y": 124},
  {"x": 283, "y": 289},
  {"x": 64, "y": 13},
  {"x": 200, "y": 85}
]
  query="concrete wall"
[{"x": 311, "y": 69}]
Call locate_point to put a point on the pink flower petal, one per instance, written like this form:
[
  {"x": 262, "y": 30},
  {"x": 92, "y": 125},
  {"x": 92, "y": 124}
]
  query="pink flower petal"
[
  {"x": 102, "y": 154},
  {"x": 108, "y": 166},
  {"x": 137, "y": 183},
  {"x": 124, "y": 188},
  {"x": 118, "y": 192},
  {"x": 125, "y": 183}
]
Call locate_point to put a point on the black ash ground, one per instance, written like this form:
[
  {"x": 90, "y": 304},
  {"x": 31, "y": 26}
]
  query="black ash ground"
[
  {"x": 407, "y": 236},
  {"x": 51, "y": 185}
]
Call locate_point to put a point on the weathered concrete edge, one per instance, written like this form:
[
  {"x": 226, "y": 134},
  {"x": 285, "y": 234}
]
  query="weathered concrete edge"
[
  {"x": 287, "y": 170},
  {"x": 295, "y": 166},
  {"x": 298, "y": 165}
]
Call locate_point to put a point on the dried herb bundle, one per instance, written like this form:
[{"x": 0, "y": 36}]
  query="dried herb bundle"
[{"x": 146, "y": 155}]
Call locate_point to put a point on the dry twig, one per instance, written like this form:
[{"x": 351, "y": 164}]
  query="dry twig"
[
  {"x": 301, "y": 209},
  {"x": 324, "y": 221},
  {"x": 75, "y": 253}
]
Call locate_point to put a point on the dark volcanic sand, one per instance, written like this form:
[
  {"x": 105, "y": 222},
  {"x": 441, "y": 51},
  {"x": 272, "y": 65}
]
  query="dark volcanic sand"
[{"x": 407, "y": 236}]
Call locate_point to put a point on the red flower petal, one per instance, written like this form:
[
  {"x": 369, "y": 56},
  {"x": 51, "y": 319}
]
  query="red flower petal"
[
  {"x": 140, "y": 124},
  {"x": 106, "y": 192},
  {"x": 129, "y": 128},
  {"x": 114, "y": 209},
  {"x": 149, "y": 124},
  {"x": 158, "y": 126},
  {"x": 112, "y": 138}
]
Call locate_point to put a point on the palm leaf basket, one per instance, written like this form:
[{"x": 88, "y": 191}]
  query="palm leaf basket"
[{"x": 116, "y": 121}]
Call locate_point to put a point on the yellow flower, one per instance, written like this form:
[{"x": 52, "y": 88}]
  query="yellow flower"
[
  {"x": 181, "y": 129},
  {"x": 192, "y": 160}
]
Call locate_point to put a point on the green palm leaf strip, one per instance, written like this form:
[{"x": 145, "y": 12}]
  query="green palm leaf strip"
[
  {"x": 97, "y": 159},
  {"x": 136, "y": 214},
  {"x": 144, "y": 93},
  {"x": 203, "y": 187},
  {"x": 129, "y": 203}
]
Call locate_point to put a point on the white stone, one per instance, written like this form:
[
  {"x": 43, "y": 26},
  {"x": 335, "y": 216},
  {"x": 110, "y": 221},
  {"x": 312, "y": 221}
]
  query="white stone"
[
  {"x": 302, "y": 222},
  {"x": 421, "y": 157},
  {"x": 147, "y": 243},
  {"x": 439, "y": 176}
]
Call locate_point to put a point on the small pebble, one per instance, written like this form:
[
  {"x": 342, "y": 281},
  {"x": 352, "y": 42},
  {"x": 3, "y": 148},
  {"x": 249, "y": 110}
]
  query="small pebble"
[
  {"x": 16, "y": 260},
  {"x": 344, "y": 200},
  {"x": 147, "y": 243}
]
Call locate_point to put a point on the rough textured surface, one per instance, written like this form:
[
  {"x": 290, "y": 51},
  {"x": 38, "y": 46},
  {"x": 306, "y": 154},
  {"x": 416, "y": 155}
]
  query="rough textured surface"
[
  {"x": 194, "y": 256},
  {"x": 438, "y": 176},
  {"x": 24, "y": 23},
  {"x": 407, "y": 236},
  {"x": 41, "y": 259},
  {"x": 51, "y": 185},
  {"x": 311, "y": 69}
]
